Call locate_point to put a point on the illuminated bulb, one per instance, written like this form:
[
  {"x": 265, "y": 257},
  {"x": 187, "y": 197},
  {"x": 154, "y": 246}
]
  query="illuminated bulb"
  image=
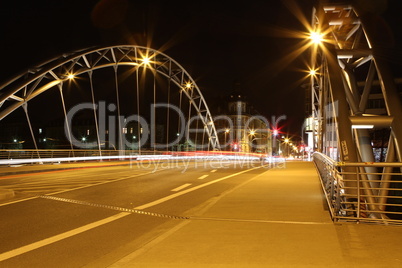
[
  {"x": 70, "y": 76},
  {"x": 316, "y": 37},
  {"x": 146, "y": 60}
]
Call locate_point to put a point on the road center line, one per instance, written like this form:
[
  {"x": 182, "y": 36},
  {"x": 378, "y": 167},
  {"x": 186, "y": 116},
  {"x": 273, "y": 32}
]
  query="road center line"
[
  {"x": 169, "y": 197},
  {"x": 181, "y": 187},
  {"x": 203, "y": 177},
  {"x": 56, "y": 238},
  {"x": 214, "y": 170}
]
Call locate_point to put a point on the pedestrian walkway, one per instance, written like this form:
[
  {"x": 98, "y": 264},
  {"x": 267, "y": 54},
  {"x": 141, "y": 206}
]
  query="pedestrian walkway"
[{"x": 278, "y": 219}]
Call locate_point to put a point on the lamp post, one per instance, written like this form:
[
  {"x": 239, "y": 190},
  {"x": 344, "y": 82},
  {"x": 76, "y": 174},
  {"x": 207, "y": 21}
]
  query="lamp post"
[
  {"x": 262, "y": 136},
  {"x": 275, "y": 133},
  {"x": 226, "y": 132}
]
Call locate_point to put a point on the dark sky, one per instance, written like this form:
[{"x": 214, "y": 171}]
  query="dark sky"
[{"x": 217, "y": 42}]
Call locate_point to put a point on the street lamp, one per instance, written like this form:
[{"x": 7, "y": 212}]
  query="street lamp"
[
  {"x": 252, "y": 133},
  {"x": 288, "y": 143},
  {"x": 188, "y": 85},
  {"x": 316, "y": 37},
  {"x": 145, "y": 60}
]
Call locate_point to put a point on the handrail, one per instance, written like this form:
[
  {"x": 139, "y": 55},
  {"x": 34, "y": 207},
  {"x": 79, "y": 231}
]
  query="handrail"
[{"x": 352, "y": 195}]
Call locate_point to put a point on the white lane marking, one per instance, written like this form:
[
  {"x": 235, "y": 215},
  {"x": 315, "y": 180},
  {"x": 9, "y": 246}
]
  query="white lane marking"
[
  {"x": 53, "y": 239},
  {"x": 203, "y": 177},
  {"x": 169, "y": 197},
  {"x": 214, "y": 170},
  {"x": 181, "y": 187}
]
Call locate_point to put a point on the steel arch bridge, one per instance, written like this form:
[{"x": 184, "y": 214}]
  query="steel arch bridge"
[
  {"x": 348, "y": 74},
  {"x": 23, "y": 88}
]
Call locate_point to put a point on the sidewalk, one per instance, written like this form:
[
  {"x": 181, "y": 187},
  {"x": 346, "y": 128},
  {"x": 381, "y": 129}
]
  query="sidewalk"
[{"x": 276, "y": 220}]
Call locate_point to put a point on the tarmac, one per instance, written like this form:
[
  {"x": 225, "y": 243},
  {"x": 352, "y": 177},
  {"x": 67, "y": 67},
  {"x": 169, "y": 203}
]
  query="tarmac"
[{"x": 277, "y": 219}]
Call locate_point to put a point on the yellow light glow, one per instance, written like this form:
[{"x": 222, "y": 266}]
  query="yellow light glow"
[
  {"x": 316, "y": 37},
  {"x": 146, "y": 60},
  {"x": 188, "y": 85},
  {"x": 252, "y": 132},
  {"x": 70, "y": 76},
  {"x": 227, "y": 130},
  {"x": 313, "y": 72},
  {"x": 286, "y": 140}
]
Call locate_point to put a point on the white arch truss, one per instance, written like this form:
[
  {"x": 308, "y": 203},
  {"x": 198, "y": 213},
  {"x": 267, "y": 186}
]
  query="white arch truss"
[{"x": 24, "y": 87}]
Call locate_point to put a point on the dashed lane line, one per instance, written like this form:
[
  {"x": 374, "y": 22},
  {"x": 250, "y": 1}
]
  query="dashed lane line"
[
  {"x": 181, "y": 187},
  {"x": 202, "y": 177},
  {"x": 169, "y": 197}
]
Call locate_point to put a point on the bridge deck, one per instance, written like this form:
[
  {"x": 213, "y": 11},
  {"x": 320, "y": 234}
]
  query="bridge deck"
[{"x": 278, "y": 219}]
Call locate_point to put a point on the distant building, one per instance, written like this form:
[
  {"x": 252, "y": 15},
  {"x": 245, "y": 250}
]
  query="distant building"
[{"x": 241, "y": 128}]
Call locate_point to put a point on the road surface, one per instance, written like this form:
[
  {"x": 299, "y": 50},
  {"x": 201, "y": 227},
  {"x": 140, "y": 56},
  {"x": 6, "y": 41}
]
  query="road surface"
[{"x": 90, "y": 213}]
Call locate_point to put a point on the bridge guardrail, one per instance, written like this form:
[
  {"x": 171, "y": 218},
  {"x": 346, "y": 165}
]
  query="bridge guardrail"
[
  {"x": 361, "y": 192},
  {"x": 31, "y": 156}
]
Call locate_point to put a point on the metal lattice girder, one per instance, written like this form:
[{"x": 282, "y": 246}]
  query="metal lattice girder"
[
  {"x": 30, "y": 84},
  {"x": 350, "y": 40},
  {"x": 349, "y": 71}
]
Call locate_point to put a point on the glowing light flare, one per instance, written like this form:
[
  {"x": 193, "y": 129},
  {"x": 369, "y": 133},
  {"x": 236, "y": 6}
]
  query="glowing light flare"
[
  {"x": 252, "y": 132},
  {"x": 316, "y": 37},
  {"x": 70, "y": 76},
  {"x": 145, "y": 60}
]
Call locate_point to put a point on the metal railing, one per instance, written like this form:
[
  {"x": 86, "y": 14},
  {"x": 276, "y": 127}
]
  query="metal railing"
[
  {"x": 361, "y": 192},
  {"x": 32, "y": 156}
]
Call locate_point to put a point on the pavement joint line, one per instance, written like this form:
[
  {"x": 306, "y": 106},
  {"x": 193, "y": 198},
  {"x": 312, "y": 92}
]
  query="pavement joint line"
[
  {"x": 129, "y": 210},
  {"x": 259, "y": 221}
]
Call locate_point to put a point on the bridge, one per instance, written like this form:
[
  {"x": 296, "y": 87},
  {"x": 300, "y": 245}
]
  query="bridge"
[{"x": 134, "y": 170}]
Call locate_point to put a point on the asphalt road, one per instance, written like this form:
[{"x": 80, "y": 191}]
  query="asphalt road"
[{"x": 92, "y": 216}]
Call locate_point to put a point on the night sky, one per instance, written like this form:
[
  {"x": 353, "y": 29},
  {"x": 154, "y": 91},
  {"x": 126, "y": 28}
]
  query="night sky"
[{"x": 216, "y": 42}]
